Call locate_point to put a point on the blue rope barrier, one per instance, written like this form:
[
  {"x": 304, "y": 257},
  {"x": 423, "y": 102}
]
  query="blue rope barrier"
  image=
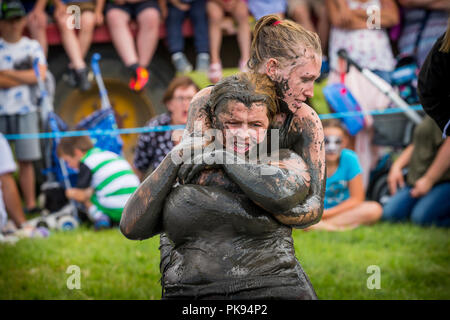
[{"x": 97, "y": 132}]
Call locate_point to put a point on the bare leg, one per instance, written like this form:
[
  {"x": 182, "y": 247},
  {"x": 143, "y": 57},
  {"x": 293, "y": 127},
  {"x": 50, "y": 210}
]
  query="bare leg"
[
  {"x": 215, "y": 15},
  {"x": 27, "y": 183},
  {"x": 12, "y": 199},
  {"x": 366, "y": 213},
  {"x": 148, "y": 35},
  {"x": 243, "y": 33},
  {"x": 86, "y": 32},
  {"x": 302, "y": 15},
  {"x": 323, "y": 27},
  {"x": 322, "y": 225},
  {"x": 37, "y": 24},
  {"x": 70, "y": 42},
  {"x": 121, "y": 36}
]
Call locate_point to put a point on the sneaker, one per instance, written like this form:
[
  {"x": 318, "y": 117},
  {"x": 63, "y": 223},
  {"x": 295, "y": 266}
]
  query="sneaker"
[
  {"x": 139, "y": 80},
  {"x": 70, "y": 77},
  {"x": 102, "y": 222},
  {"x": 202, "y": 63},
  {"x": 32, "y": 232},
  {"x": 10, "y": 239},
  {"x": 82, "y": 77},
  {"x": 181, "y": 63}
]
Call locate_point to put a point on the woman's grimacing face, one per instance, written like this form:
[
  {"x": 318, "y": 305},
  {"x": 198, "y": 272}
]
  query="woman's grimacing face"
[
  {"x": 242, "y": 127},
  {"x": 296, "y": 81}
]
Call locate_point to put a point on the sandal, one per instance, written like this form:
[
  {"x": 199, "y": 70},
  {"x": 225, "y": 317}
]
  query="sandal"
[{"x": 215, "y": 72}]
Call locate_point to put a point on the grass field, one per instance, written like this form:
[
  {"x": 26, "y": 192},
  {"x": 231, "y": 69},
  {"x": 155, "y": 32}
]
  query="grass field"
[{"x": 414, "y": 263}]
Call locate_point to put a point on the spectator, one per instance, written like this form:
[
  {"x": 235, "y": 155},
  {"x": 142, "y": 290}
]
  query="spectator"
[
  {"x": 37, "y": 21},
  {"x": 344, "y": 205},
  {"x": 178, "y": 11},
  {"x": 105, "y": 180},
  {"x": 433, "y": 84},
  {"x": 217, "y": 9},
  {"x": 10, "y": 202},
  {"x": 261, "y": 8},
  {"x": 18, "y": 105},
  {"x": 424, "y": 21},
  {"x": 152, "y": 147},
  {"x": 8, "y": 188},
  {"x": 300, "y": 11},
  {"x": 424, "y": 196},
  {"x": 136, "y": 56},
  {"x": 77, "y": 44}
]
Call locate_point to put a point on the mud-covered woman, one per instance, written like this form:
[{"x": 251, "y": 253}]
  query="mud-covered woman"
[{"x": 227, "y": 215}]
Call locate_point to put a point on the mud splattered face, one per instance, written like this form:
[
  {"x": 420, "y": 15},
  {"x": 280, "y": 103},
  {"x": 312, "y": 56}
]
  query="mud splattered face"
[
  {"x": 242, "y": 127},
  {"x": 296, "y": 81}
]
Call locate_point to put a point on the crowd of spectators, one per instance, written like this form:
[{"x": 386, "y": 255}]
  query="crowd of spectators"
[{"x": 406, "y": 28}]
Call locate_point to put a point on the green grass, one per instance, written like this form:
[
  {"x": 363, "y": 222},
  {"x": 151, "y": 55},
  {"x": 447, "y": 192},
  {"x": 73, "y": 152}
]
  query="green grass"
[{"x": 414, "y": 264}]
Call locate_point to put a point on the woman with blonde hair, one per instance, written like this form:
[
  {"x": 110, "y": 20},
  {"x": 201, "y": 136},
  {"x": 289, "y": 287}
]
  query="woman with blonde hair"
[{"x": 291, "y": 57}]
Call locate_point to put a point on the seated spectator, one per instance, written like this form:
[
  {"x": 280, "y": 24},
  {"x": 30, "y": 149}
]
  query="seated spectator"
[
  {"x": 136, "y": 56},
  {"x": 217, "y": 10},
  {"x": 105, "y": 180},
  {"x": 261, "y": 8},
  {"x": 423, "y": 198},
  {"x": 300, "y": 11},
  {"x": 77, "y": 44},
  {"x": 423, "y": 22},
  {"x": 345, "y": 206},
  {"x": 152, "y": 147},
  {"x": 37, "y": 21},
  {"x": 18, "y": 102},
  {"x": 179, "y": 10}
]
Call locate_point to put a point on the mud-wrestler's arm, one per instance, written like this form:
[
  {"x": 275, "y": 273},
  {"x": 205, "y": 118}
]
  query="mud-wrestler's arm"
[
  {"x": 141, "y": 217},
  {"x": 276, "y": 186},
  {"x": 310, "y": 146},
  {"x": 197, "y": 117}
]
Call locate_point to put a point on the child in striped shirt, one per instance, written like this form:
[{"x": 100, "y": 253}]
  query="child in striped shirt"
[{"x": 105, "y": 180}]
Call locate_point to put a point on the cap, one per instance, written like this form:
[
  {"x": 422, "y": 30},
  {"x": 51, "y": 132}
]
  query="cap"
[{"x": 12, "y": 9}]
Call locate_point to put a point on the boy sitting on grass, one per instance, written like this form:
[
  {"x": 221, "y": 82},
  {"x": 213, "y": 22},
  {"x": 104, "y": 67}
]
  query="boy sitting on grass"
[{"x": 105, "y": 180}]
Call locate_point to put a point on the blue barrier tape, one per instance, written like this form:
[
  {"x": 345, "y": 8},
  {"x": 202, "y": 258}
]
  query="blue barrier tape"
[{"x": 61, "y": 134}]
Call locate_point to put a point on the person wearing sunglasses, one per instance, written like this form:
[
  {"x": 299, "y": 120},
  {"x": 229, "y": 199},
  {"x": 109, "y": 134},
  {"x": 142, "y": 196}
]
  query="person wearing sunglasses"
[{"x": 345, "y": 206}]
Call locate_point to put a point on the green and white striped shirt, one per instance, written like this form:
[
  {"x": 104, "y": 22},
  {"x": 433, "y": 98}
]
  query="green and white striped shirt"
[{"x": 113, "y": 181}]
